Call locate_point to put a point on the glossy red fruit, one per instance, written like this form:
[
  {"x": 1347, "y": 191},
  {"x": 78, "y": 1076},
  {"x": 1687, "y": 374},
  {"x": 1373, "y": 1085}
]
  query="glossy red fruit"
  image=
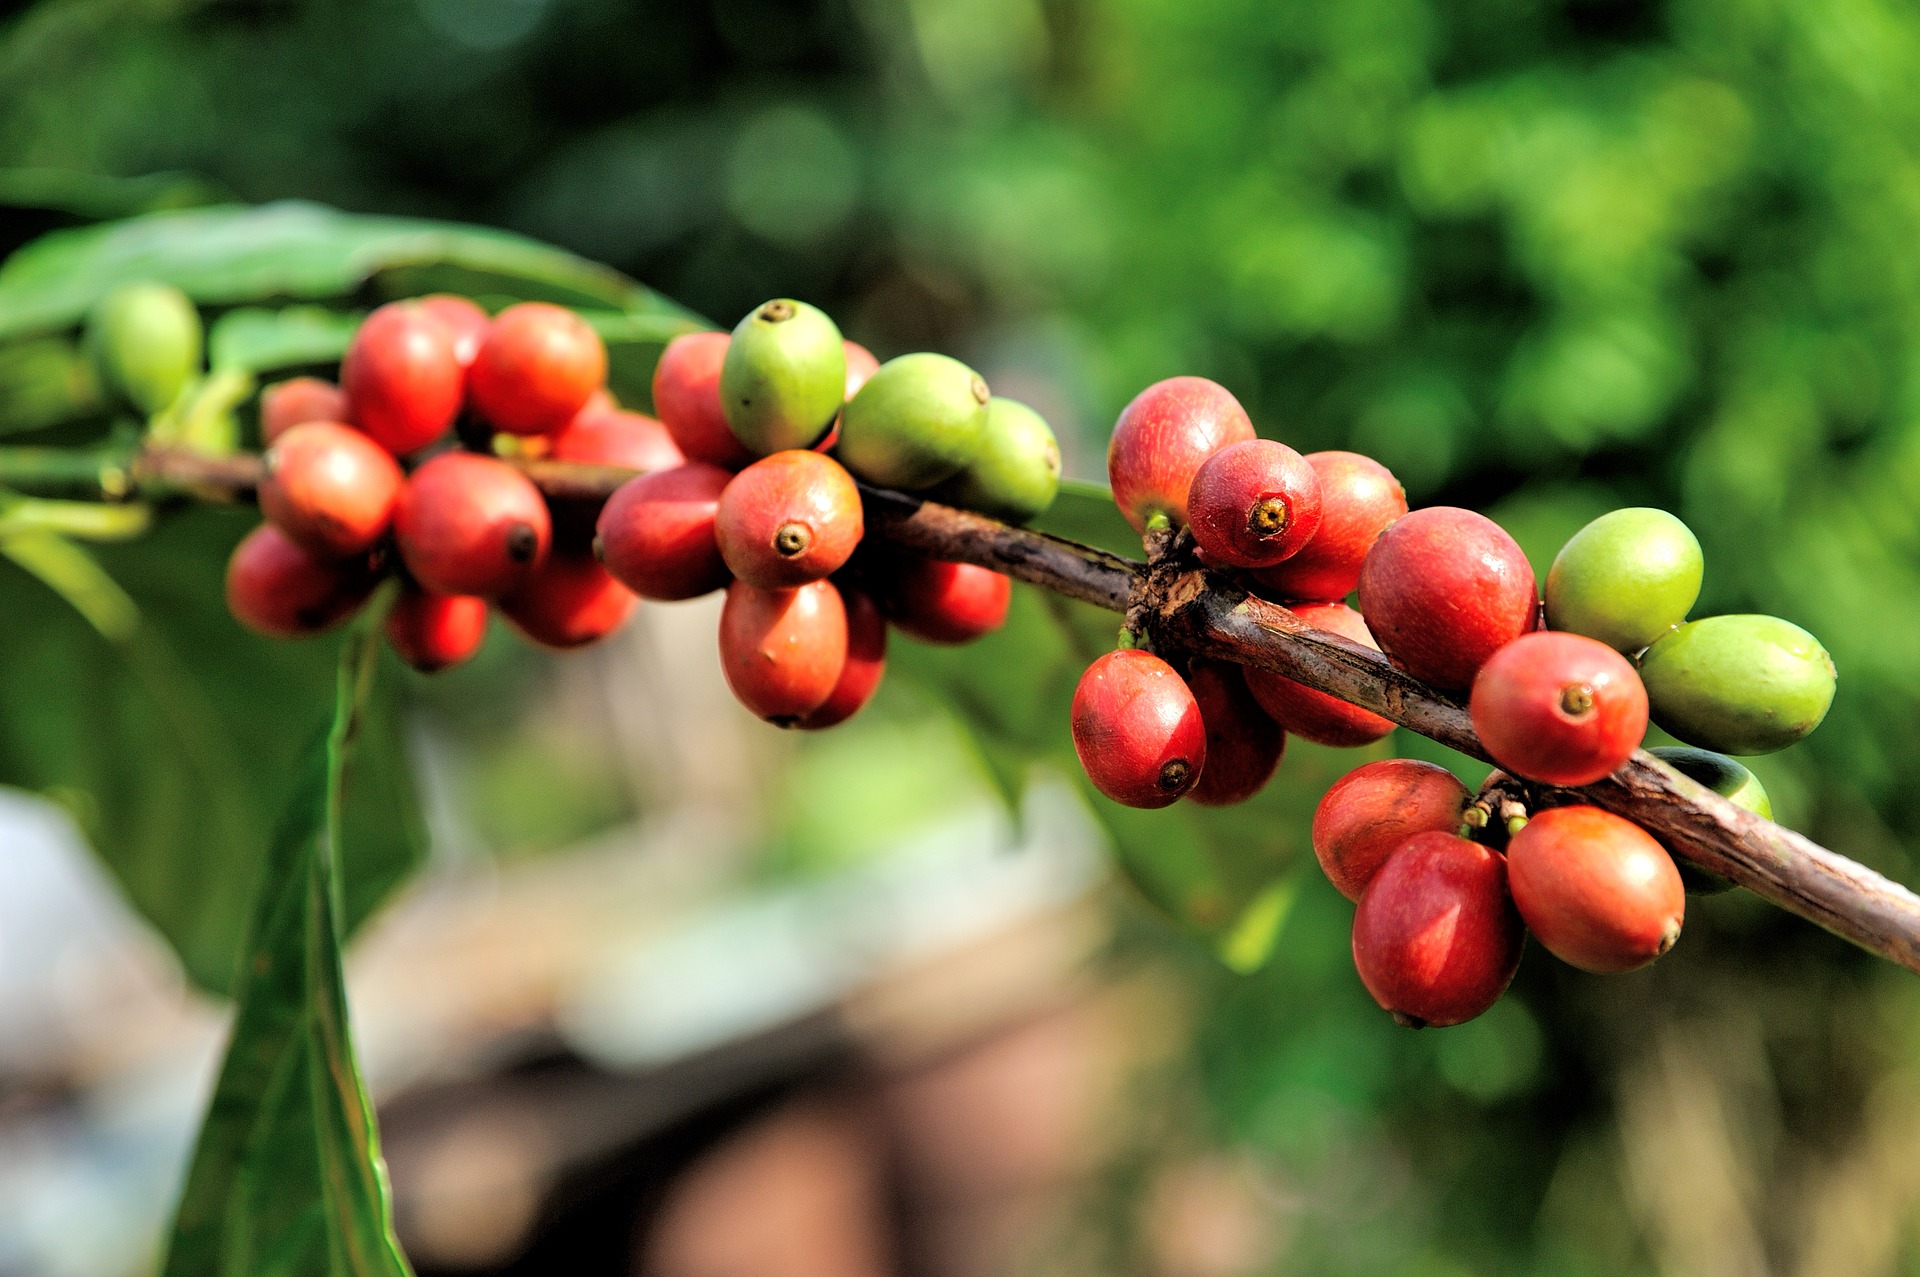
[
  {"x": 1436, "y": 938},
  {"x": 1160, "y": 440},
  {"x": 686, "y": 396},
  {"x": 569, "y": 601},
  {"x": 1243, "y": 744},
  {"x": 277, "y": 589},
  {"x": 402, "y": 379},
  {"x": 1253, "y": 504},
  {"x": 789, "y": 518},
  {"x": 465, "y": 321},
  {"x": 656, "y": 533},
  {"x": 861, "y": 365},
  {"x": 1359, "y": 498},
  {"x": 1443, "y": 589},
  {"x": 607, "y": 436},
  {"x": 1138, "y": 730},
  {"x": 1597, "y": 890},
  {"x": 1312, "y": 715},
  {"x": 286, "y": 404},
  {"x": 433, "y": 632},
  {"x": 940, "y": 602},
  {"x": 1374, "y": 808},
  {"x": 1559, "y": 708},
  {"x": 866, "y": 663},
  {"x": 536, "y": 368},
  {"x": 468, "y": 524},
  {"x": 330, "y": 488},
  {"x": 783, "y": 651}
]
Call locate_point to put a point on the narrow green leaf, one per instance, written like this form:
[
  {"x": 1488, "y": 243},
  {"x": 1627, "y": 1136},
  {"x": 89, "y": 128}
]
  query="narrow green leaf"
[
  {"x": 75, "y": 576},
  {"x": 257, "y": 339}
]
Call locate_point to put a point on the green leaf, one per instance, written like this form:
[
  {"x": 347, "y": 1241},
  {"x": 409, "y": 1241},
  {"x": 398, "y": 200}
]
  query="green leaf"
[
  {"x": 634, "y": 343},
  {"x": 256, "y": 339}
]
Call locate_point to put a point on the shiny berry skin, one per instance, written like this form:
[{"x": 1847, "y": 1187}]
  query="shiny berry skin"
[
  {"x": 286, "y": 404},
  {"x": 1374, "y": 808},
  {"x": 468, "y": 524},
  {"x": 1442, "y": 590},
  {"x": 604, "y": 436},
  {"x": 655, "y": 533},
  {"x": 1596, "y": 890},
  {"x": 1314, "y": 715},
  {"x": 947, "y": 603},
  {"x": 784, "y": 377},
  {"x": 1253, "y": 504},
  {"x": 1559, "y": 708},
  {"x": 686, "y": 397},
  {"x": 330, "y": 488},
  {"x": 433, "y": 632},
  {"x": 465, "y": 321},
  {"x": 789, "y": 518},
  {"x": 861, "y": 365},
  {"x": 277, "y": 589},
  {"x": 1436, "y": 939},
  {"x": 569, "y": 601},
  {"x": 402, "y": 379},
  {"x": 1359, "y": 498},
  {"x": 1160, "y": 440},
  {"x": 536, "y": 368},
  {"x": 783, "y": 651},
  {"x": 1243, "y": 744},
  {"x": 1626, "y": 579},
  {"x": 866, "y": 663},
  {"x": 1138, "y": 729}
]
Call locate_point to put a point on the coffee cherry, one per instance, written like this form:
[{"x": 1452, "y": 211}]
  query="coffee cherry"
[
  {"x": 656, "y": 536},
  {"x": 403, "y": 381},
  {"x": 866, "y": 663},
  {"x": 468, "y": 524},
  {"x": 1017, "y": 472},
  {"x": 568, "y": 602},
  {"x": 783, "y": 651},
  {"x": 920, "y": 419},
  {"x": 1243, "y": 745},
  {"x": 788, "y": 519},
  {"x": 289, "y": 403},
  {"x": 433, "y": 632},
  {"x": 1739, "y": 684},
  {"x": 1561, "y": 709},
  {"x": 613, "y": 437},
  {"x": 144, "y": 341},
  {"x": 940, "y": 602},
  {"x": 1625, "y": 579},
  {"x": 1253, "y": 503},
  {"x": 535, "y": 369},
  {"x": 330, "y": 488},
  {"x": 1442, "y": 590},
  {"x": 1359, "y": 498},
  {"x": 1435, "y": 938},
  {"x": 277, "y": 589},
  {"x": 783, "y": 378},
  {"x": 1374, "y": 808},
  {"x": 1596, "y": 890},
  {"x": 1314, "y": 715},
  {"x": 1731, "y": 781},
  {"x": 686, "y": 395},
  {"x": 466, "y": 323},
  {"x": 861, "y": 365},
  {"x": 1160, "y": 440},
  {"x": 1138, "y": 730}
]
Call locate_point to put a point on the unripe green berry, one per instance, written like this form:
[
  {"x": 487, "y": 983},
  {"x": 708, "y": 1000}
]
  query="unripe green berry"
[
  {"x": 1739, "y": 684},
  {"x": 1625, "y": 579},
  {"x": 920, "y": 419},
  {"x": 145, "y": 342},
  {"x": 1017, "y": 472},
  {"x": 784, "y": 377}
]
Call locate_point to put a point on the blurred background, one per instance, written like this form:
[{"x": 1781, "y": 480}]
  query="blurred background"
[{"x": 679, "y": 995}]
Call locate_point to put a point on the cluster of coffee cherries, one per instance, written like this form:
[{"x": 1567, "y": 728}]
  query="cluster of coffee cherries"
[{"x": 1447, "y": 885}]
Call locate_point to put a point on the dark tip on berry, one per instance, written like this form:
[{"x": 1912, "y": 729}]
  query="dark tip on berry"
[
  {"x": 522, "y": 543},
  {"x": 1406, "y": 1021},
  {"x": 980, "y": 390},
  {"x": 777, "y": 312},
  {"x": 1576, "y": 699},
  {"x": 1174, "y": 773},
  {"x": 785, "y": 720},
  {"x": 599, "y": 549},
  {"x": 1668, "y": 937},
  {"x": 792, "y": 539},
  {"x": 1268, "y": 518}
]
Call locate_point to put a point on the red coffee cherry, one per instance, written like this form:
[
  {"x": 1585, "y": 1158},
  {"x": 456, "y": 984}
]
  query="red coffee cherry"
[
  {"x": 1559, "y": 708},
  {"x": 656, "y": 533},
  {"x": 861, "y": 365},
  {"x": 866, "y": 663},
  {"x": 535, "y": 369},
  {"x": 568, "y": 602},
  {"x": 433, "y": 632},
  {"x": 1371, "y": 810},
  {"x": 1436, "y": 939},
  {"x": 277, "y": 589},
  {"x": 1443, "y": 589},
  {"x": 1160, "y": 440},
  {"x": 789, "y": 518},
  {"x": 783, "y": 651},
  {"x": 465, "y": 321},
  {"x": 1312, "y": 715},
  {"x": 1243, "y": 744},
  {"x": 608, "y": 436},
  {"x": 286, "y": 404},
  {"x": 686, "y": 396},
  {"x": 330, "y": 488},
  {"x": 468, "y": 524},
  {"x": 402, "y": 379},
  {"x": 1597, "y": 890},
  {"x": 947, "y": 603},
  {"x": 1253, "y": 504},
  {"x": 1138, "y": 730},
  {"x": 1359, "y": 498}
]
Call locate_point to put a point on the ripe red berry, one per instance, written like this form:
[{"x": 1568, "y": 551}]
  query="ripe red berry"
[
  {"x": 465, "y": 321},
  {"x": 1160, "y": 440},
  {"x": 277, "y": 589},
  {"x": 468, "y": 524},
  {"x": 1243, "y": 744},
  {"x": 1597, "y": 890},
  {"x": 536, "y": 368},
  {"x": 330, "y": 488},
  {"x": 656, "y": 533},
  {"x": 861, "y": 365},
  {"x": 1559, "y": 708},
  {"x": 402, "y": 379},
  {"x": 940, "y": 602},
  {"x": 1253, "y": 504},
  {"x": 866, "y": 663},
  {"x": 1359, "y": 498},
  {"x": 433, "y": 632},
  {"x": 686, "y": 396},
  {"x": 783, "y": 651},
  {"x": 1374, "y": 808},
  {"x": 788, "y": 519},
  {"x": 1436, "y": 939},
  {"x": 608, "y": 436},
  {"x": 1138, "y": 730},
  {"x": 1314, "y": 715},
  {"x": 1443, "y": 589},
  {"x": 569, "y": 601},
  {"x": 286, "y": 404}
]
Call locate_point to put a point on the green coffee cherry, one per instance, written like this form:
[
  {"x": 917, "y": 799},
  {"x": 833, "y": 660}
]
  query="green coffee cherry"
[
  {"x": 145, "y": 341},
  {"x": 784, "y": 377},
  {"x": 1738, "y": 684},
  {"x": 1725, "y": 777},
  {"x": 920, "y": 419},
  {"x": 1625, "y": 579},
  {"x": 1017, "y": 472}
]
